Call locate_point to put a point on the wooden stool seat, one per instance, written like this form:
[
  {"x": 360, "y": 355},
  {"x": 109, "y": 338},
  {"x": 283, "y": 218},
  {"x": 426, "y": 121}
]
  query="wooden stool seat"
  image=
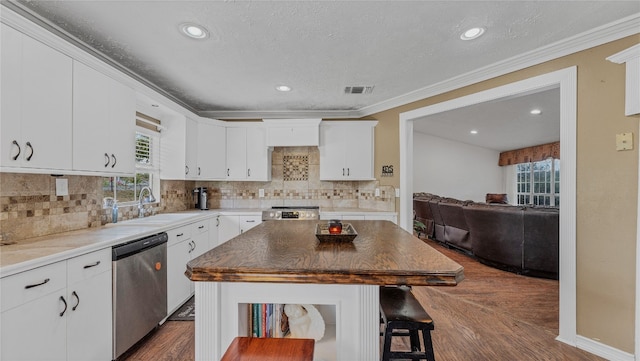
[
  {"x": 269, "y": 349},
  {"x": 402, "y": 315}
]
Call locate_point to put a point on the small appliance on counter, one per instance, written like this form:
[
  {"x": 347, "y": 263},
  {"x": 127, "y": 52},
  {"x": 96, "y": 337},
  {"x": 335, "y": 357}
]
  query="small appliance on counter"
[{"x": 200, "y": 195}]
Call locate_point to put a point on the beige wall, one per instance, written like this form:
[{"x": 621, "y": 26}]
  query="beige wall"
[{"x": 607, "y": 185}]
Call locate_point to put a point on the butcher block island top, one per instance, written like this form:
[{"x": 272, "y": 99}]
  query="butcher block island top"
[{"x": 289, "y": 252}]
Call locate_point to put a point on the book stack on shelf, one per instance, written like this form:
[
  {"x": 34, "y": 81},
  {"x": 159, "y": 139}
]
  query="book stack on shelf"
[{"x": 268, "y": 320}]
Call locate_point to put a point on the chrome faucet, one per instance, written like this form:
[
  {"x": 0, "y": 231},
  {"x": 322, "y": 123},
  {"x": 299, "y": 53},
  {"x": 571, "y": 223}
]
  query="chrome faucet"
[{"x": 150, "y": 199}]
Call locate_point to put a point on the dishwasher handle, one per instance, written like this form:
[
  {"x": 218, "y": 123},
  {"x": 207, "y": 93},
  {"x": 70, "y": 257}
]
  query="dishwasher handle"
[{"x": 137, "y": 246}]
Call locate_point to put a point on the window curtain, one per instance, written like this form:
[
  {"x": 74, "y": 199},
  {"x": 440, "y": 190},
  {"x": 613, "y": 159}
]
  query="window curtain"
[{"x": 530, "y": 154}]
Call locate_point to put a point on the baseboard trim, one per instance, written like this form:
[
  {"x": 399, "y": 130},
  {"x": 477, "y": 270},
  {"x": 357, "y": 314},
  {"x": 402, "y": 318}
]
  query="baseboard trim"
[{"x": 602, "y": 350}]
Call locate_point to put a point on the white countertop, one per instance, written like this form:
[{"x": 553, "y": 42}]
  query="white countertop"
[{"x": 40, "y": 251}]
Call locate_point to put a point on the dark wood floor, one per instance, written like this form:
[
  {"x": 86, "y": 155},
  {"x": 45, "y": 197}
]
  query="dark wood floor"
[{"x": 491, "y": 315}]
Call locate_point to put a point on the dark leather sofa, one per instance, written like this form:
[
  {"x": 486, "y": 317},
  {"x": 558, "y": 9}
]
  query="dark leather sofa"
[{"x": 519, "y": 239}]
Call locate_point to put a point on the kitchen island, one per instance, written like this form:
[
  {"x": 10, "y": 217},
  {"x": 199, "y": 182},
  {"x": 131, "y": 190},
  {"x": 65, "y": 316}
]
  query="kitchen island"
[{"x": 284, "y": 262}]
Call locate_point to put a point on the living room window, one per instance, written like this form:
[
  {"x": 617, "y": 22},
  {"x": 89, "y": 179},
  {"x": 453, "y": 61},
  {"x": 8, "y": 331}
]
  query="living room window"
[
  {"x": 538, "y": 183},
  {"x": 126, "y": 190}
]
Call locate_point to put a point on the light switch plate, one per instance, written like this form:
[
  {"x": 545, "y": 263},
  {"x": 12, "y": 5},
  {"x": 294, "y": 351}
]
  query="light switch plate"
[
  {"x": 62, "y": 187},
  {"x": 624, "y": 141},
  {"x": 377, "y": 192},
  {"x": 397, "y": 192}
]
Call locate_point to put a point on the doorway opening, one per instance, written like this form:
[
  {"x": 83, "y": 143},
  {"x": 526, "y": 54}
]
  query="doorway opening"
[{"x": 566, "y": 81}]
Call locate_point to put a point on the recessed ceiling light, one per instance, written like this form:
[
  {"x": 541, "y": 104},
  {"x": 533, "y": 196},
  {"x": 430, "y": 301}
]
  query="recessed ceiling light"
[
  {"x": 474, "y": 132},
  {"x": 283, "y": 88},
  {"x": 472, "y": 33},
  {"x": 194, "y": 31},
  {"x": 536, "y": 111}
]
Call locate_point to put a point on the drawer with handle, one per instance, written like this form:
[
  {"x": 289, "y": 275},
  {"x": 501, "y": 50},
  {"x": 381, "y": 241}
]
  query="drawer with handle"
[
  {"x": 88, "y": 265},
  {"x": 179, "y": 234},
  {"x": 23, "y": 287},
  {"x": 200, "y": 227}
]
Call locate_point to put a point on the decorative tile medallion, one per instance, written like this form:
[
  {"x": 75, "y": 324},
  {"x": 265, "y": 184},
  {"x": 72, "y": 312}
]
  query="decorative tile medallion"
[{"x": 295, "y": 167}]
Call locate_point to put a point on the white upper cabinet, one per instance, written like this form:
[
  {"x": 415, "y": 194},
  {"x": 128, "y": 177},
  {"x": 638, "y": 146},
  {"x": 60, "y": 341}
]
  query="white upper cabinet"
[
  {"x": 293, "y": 132},
  {"x": 248, "y": 157},
  {"x": 211, "y": 145},
  {"x": 103, "y": 123},
  {"x": 191, "y": 151},
  {"x": 347, "y": 150},
  {"x": 36, "y": 112}
]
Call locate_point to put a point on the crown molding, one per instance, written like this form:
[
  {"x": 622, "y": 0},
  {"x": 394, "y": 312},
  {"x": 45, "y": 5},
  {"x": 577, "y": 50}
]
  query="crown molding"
[
  {"x": 280, "y": 114},
  {"x": 625, "y": 55}
]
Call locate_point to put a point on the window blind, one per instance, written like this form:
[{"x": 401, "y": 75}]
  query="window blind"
[
  {"x": 147, "y": 122},
  {"x": 144, "y": 150}
]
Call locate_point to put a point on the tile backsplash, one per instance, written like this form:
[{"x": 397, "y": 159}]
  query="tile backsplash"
[{"x": 30, "y": 208}]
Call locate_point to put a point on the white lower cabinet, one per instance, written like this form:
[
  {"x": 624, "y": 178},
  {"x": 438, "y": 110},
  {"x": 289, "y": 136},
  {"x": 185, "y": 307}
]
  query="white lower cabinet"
[
  {"x": 178, "y": 285},
  {"x": 248, "y": 222},
  {"x": 90, "y": 306},
  {"x": 185, "y": 243},
  {"x": 60, "y": 311},
  {"x": 228, "y": 228},
  {"x": 231, "y": 226}
]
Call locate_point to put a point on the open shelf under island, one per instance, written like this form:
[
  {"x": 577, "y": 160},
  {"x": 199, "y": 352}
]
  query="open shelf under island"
[{"x": 284, "y": 262}]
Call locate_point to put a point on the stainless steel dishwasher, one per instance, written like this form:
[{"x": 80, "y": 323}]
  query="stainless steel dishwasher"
[{"x": 139, "y": 290}]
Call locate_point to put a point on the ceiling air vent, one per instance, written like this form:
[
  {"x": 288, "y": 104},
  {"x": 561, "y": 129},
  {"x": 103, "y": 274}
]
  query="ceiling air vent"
[{"x": 358, "y": 89}]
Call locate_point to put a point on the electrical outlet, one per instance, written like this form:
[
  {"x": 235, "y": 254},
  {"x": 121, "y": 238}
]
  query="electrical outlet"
[
  {"x": 377, "y": 193},
  {"x": 261, "y": 193},
  {"x": 624, "y": 141},
  {"x": 397, "y": 192},
  {"x": 62, "y": 187}
]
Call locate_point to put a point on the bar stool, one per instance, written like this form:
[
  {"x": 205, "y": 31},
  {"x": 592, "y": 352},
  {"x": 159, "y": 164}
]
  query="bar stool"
[
  {"x": 269, "y": 349},
  {"x": 402, "y": 315}
]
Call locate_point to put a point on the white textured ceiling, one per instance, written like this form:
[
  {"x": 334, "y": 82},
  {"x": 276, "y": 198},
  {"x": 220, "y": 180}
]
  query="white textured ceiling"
[
  {"x": 316, "y": 47},
  {"x": 320, "y": 47}
]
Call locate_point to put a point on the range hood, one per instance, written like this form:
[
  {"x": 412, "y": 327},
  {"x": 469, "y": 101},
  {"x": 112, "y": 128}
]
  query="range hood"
[{"x": 293, "y": 132}]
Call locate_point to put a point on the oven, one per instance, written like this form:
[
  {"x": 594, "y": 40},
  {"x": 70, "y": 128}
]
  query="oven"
[{"x": 291, "y": 213}]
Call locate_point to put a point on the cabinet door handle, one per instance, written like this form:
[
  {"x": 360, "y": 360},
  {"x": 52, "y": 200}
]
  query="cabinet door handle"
[
  {"x": 217, "y": 221},
  {"x": 201, "y": 227},
  {"x": 194, "y": 246},
  {"x": 37, "y": 284},
  {"x": 74, "y": 294},
  {"x": 106, "y": 157},
  {"x": 91, "y": 265},
  {"x": 250, "y": 220},
  {"x": 65, "y": 306},
  {"x": 227, "y": 172},
  {"x": 186, "y": 169},
  {"x": 179, "y": 234},
  {"x": 31, "y": 154},
  {"x": 19, "y": 150},
  {"x": 115, "y": 160},
  {"x": 343, "y": 172},
  {"x": 348, "y": 172},
  {"x": 198, "y": 170},
  {"x": 248, "y": 172}
]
